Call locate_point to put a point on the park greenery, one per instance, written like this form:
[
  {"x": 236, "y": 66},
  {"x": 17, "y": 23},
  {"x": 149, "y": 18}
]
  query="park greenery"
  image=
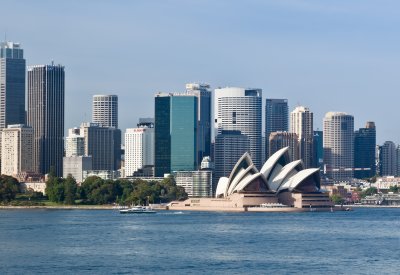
[{"x": 95, "y": 190}]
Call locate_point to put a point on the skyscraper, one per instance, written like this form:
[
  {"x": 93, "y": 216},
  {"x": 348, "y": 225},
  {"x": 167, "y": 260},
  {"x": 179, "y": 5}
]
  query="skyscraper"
[
  {"x": 12, "y": 84},
  {"x": 241, "y": 110},
  {"x": 276, "y": 119},
  {"x": 388, "y": 159},
  {"x": 318, "y": 140},
  {"x": 46, "y": 116},
  {"x": 103, "y": 144},
  {"x": 175, "y": 137},
  {"x": 204, "y": 118},
  {"x": 229, "y": 146},
  {"x": 364, "y": 151},
  {"x": 105, "y": 110},
  {"x": 17, "y": 148},
  {"x": 339, "y": 145},
  {"x": 301, "y": 123},
  {"x": 139, "y": 148}
]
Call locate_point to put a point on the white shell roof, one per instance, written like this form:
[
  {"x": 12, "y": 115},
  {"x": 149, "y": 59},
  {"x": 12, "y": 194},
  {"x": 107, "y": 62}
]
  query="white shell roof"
[
  {"x": 276, "y": 182},
  {"x": 221, "y": 187},
  {"x": 270, "y": 163},
  {"x": 299, "y": 178}
]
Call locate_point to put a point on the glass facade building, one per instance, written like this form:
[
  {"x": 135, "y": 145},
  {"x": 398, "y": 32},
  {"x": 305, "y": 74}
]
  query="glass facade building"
[
  {"x": 175, "y": 133},
  {"x": 46, "y": 99},
  {"x": 364, "y": 151},
  {"x": 12, "y": 84}
]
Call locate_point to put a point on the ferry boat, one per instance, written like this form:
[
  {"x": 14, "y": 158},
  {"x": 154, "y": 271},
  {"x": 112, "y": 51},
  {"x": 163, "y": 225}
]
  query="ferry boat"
[{"x": 137, "y": 210}]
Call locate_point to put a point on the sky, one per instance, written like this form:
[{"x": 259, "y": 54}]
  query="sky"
[{"x": 338, "y": 55}]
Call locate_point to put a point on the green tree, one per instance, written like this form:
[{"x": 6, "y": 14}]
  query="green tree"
[
  {"x": 55, "y": 189},
  {"x": 337, "y": 199},
  {"x": 9, "y": 188},
  {"x": 369, "y": 192},
  {"x": 394, "y": 189},
  {"x": 70, "y": 189}
]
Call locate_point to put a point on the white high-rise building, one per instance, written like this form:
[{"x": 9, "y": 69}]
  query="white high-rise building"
[
  {"x": 339, "y": 145},
  {"x": 139, "y": 148},
  {"x": 17, "y": 149},
  {"x": 241, "y": 109},
  {"x": 301, "y": 123},
  {"x": 105, "y": 110},
  {"x": 74, "y": 143}
]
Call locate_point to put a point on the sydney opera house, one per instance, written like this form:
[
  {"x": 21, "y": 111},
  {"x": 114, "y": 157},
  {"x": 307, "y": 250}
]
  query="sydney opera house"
[{"x": 280, "y": 185}]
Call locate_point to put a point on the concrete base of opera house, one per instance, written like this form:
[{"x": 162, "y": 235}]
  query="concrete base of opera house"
[{"x": 258, "y": 202}]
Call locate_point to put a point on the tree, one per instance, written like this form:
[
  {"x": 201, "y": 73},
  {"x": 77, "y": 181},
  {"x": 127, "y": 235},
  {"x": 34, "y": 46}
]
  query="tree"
[
  {"x": 70, "y": 189},
  {"x": 9, "y": 188},
  {"x": 337, "y": 199},
  {"x": 369, "y": 191},
  {"x": 55, "y": 189}
]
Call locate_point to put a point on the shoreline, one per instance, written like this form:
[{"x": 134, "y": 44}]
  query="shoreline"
[{"x": 111, "y": 207}]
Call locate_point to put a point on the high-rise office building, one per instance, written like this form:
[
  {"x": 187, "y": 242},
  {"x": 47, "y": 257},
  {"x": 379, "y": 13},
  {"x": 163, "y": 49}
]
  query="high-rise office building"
[
  {"x": 139, "y": 148},
  {"x": 388, "y": 159},
  {"x": 105, "y": 110},
  {"x": 74, "y": 143},
  {"x": 46, "y": 116},
  {"x": 301, "y": 123},
  {"x": 279, "y": 140},
  {"x": 364, "y": 151},
  {"x": 339, "y": 145},
  {"x": 12, "y": 84},
  {"x": 203, "y": 93},
  {"x": 103, "y": 144},
  {"x": 241, "y": 110},
  {"x": 318, "y": 143},
  {"x": 276, "y": 119},
  {"x": 229, "y": 146},
  {"x": 197, "y": 184},
  {"x": 16, "y": 148},
  {"x": 176, "y": 120}
]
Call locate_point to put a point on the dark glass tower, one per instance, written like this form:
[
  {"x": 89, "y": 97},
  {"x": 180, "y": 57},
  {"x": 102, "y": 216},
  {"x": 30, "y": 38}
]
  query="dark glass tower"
[
  {"x": 12, "y": 84},
  {"x": 318, "y": 158},
  {"x": 175, "y": 133},
  {"x": 276, "y": 119},
  {"x": 364, "y": 151},
  {"x": 46, "y": 97}
]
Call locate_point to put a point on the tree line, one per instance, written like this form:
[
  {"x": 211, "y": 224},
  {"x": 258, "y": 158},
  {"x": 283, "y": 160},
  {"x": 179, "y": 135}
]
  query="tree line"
[{"x": 95, "y": 190}]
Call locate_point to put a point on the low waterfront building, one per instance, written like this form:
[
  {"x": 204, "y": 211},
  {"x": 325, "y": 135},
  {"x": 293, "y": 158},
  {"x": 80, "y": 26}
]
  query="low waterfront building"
[
  {"x": 196, "y": 183},
  {"x": 103, "y": 174}
]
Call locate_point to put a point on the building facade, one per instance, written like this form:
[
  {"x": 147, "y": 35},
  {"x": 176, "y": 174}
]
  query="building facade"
[
  {"x": 301, "y": 123},
  {"x": 175, "y": 136},
  {"x": 46, "y": 99},
  {"x": 203, "y": 94},
  {"x": 276, "y": 119},
  {"x": 12, "y": 84},
  {"x": 17, "y": 149},
  {"x": 75, "y": 166},
  {"x": 388, "y": 159},
  {"x": 318, "y": 143},
  {"x": 103, "y": 144},
  {"x": 338, "y": 146},
  {"x": 279, "y": 140},
  {"x": 74, "y": 143},
  {"x": 364, "y": 151},
  {"x": 139, "y": 148},
  {"x": 240, "y": 109},
  {"x": 197, "y": 184},
  {"x": 229, "y": 146},
  {"x": 105, "y": 110}
]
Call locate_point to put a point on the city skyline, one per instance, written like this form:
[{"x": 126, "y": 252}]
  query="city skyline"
[{"x": 340, "y": 52}]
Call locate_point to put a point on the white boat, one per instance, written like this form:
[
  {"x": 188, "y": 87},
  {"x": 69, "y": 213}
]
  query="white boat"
[{"x": 138, "y": 210}]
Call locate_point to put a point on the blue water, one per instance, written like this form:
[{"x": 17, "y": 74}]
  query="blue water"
[{"x": 364, "y": 241}]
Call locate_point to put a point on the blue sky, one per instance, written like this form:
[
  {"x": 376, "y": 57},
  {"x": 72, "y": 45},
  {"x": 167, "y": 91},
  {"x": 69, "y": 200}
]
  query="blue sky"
[{"x": 326, "y": 55}]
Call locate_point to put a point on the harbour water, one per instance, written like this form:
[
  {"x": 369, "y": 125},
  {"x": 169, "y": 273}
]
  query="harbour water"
[{"x": 38, "y": 241}]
